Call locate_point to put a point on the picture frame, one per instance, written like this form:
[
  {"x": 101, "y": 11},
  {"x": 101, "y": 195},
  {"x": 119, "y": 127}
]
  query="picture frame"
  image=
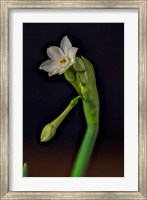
[{"x": 6, "y": 6}]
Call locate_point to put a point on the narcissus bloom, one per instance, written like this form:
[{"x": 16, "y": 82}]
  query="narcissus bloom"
[{"x": 61, "y": 58}]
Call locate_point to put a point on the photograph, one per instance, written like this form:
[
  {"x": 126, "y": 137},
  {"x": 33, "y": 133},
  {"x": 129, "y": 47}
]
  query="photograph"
[
  {"x": 63, "y": 63},
  {"x": 73, "y": 99}
]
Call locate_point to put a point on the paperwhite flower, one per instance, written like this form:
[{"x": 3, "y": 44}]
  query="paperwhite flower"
[{"x": 61, "y": 58}]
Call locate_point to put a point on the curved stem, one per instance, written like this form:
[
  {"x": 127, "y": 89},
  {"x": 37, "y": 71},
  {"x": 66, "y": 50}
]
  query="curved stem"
[
  {"x": 85, "y": 151},
  {"x": 86, "y": 148},
  {"x": 85, "y": 84}
]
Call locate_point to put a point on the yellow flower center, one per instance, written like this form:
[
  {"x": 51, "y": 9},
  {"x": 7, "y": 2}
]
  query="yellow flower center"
[{"x": 63, "y": 62}]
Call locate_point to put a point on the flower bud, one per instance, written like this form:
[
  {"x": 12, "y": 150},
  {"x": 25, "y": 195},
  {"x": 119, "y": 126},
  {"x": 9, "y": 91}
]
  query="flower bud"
[
  {"x": 70, "y": 76},
  {"x": 78, "y": 65},
  {"x": 83, "y": 78},
  {"x": 48, "y": 132},
  {"x": 50, "y": 129}
]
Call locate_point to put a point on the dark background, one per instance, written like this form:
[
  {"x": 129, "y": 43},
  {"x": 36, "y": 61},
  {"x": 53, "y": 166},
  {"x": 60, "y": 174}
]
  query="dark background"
[{"x": 45, "y": 98}]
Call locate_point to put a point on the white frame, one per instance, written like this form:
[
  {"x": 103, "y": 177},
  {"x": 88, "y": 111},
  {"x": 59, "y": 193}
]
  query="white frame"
[{"x": 5, "y": 7}]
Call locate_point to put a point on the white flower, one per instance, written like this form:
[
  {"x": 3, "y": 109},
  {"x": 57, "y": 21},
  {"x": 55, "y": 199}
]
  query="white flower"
[{"x": 61, "y": 58}]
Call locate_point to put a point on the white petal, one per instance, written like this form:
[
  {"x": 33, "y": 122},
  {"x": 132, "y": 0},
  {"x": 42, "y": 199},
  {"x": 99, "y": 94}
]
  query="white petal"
[
  {"x": 54, "y": 53},
  {"x": 72, "y": 53},
  {"x": 64, "y": 69},
  {"x": 61, "y": 71},
  {"x": 54, "y": 72},
  {"x": 51, "y": 73},
  {"x": 49, "y": 66},
  {"x": 65, "y": 45}
]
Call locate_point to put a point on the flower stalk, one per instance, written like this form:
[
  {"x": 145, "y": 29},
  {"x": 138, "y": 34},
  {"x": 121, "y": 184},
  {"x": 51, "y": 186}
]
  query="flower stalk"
[
  {"x": 50, "y": 129},
  {"x": 85, "y": 151},
  {"x": 88, "y": 90}
]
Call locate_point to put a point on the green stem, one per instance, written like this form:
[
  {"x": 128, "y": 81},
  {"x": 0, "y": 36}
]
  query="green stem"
[
  {"x": 62, "y": 116},
  {"x": 88, "y": 142},
  {"x": 85, "y": 151}
]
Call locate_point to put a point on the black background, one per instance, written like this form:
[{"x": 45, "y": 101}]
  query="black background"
[{"x": 44, "y": 98}]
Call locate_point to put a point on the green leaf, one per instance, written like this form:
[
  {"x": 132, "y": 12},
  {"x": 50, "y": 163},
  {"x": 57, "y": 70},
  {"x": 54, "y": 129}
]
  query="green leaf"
[{"x": 25, "y": 170}]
